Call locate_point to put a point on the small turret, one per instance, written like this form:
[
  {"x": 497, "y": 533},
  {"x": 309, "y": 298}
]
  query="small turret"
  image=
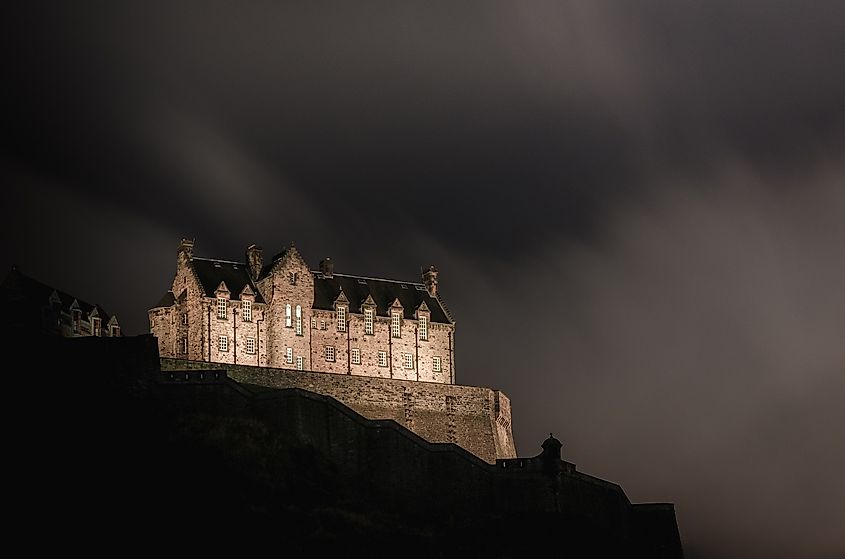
[{"x": 186, "y": 247}]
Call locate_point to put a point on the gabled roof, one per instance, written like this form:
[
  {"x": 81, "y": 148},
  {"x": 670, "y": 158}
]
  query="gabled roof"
[
  {"x": 20, "y": 289},
  {"x": 265, "y": 270},
  {"x": 384, "y": 293},
  {"x": 234, "y": 274},
  {"x": 166, "y": 300}
]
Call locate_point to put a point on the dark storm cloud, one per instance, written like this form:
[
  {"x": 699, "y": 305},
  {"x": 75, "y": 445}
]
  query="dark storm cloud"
[{"x": 662, "y": 178}]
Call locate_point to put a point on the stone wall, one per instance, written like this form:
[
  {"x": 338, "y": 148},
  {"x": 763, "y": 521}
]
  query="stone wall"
[{"x": 477, "y": 419}]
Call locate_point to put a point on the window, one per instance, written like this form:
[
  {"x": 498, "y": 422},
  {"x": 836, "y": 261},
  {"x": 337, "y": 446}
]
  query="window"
[
  {"x": 185, "y": 319},
  {"x": 223, "y": 343},
  {"x": 289, "y": 355},
  {"x": 221, "y": 308},
  {"x": 423, "y": 327},
  {"x": 409, "y": 360},
  {"x": 298, "y": 320},
  {"x": 395, "y": 325},
  {"x": 292, "y": 277},
  {"x": 329, "y": 353},
  {"x": 299, "y": 363},
  {"x": 341, "y": 319},
  {"x": 184, "y": 345},
  {"x": 382, "y": 359},
  {"x": 368, "y": 321},
  {"x": 96, "y": 326},
  {"x": 356, "y": 356},
  {"x": 115, "y": 331},
  {"x": 313, "y": 323},
  {"x": 246, "y": 306},
  {"x": 436, "y": 366},
  {"x": 76, "y": 317},
  {"x": 322, "y": 324},
  {"x": 250, "y": 345},
  {"x": 287, "y": 316}
]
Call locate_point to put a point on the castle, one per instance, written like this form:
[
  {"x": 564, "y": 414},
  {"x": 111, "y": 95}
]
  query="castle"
[
  {"x": 384, "y": 348},
  {"x": 284, "y": 315}
]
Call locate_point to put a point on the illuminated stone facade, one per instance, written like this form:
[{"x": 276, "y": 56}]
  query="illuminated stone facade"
[{"x": 284, "y": 315}]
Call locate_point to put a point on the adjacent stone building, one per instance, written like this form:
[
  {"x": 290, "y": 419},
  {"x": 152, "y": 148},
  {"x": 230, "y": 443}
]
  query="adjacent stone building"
[
  {"x": 284, "y": 315},
  {"x": 37, "y": 307}
]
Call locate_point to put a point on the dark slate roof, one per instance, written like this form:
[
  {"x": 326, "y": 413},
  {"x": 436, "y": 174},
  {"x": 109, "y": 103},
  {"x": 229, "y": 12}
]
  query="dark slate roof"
[
  {"x": 384, "y": 292},
  {"x": 166, "y": 300},
  {"x": 235, "y": 274},
  {"x": 23, "y": 290}
]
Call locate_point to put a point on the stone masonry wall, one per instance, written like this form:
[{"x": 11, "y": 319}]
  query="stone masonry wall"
[{"x": 476, "y": 419}]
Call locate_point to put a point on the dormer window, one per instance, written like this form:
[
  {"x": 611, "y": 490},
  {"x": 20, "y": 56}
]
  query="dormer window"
[
  {"x": 287, "y": 316},
  {"x": 246, "y": 307},
  {"x": 96, "y": 326},
  {"x": 368, "y": 321},
  {"x": 395, "y": 324},
  {"x": 222, "y": 306},
  {"x": 341, "y": 319},
  {"x": 115, "y": 331},
  {"x": 423, "y": 328}
]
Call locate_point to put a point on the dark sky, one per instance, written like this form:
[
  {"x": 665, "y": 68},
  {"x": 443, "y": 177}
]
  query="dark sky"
[{"x": 637, "y": 208}]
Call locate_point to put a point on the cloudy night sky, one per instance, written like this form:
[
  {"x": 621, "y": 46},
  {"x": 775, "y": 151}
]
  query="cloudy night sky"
[{"x": 637, "y": 208}]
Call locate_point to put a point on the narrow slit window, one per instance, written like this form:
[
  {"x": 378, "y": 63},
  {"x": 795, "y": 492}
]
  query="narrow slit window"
[{"x": 298, "y": 320}]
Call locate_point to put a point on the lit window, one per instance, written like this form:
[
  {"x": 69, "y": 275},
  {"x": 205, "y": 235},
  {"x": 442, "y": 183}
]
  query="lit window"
[
  {"x": 287, "y": 316},
  {"x": 289, "y": 355},
  {"x": 247, "y": 310},
  {"x": 221, "y": 307},
  {"x": 409, "y": 360},
  {"x": 341, "y": 319},
  {"x": 298, "y": 320},
  {"x": 382, "y": 359},
  {"x": 329, "y": 353},
  {"x": 322, "y": 324},
  {"x": 223, "y": 343},
  {"x": 423, "y": 327},
  {"x": 436, "y": 364},
  {"x": 395, "y": 325},
  {"x": 250, "y": 345},
  {"x": 368, "y": 321},
  {"x": 300, "y": 366},
  {"x": 115, "y": 331},
  {"x": 96, "y": 326},
  {"x": 356, "y": 356}
]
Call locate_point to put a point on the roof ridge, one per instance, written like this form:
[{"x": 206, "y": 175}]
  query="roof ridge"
[
  {"x": 369, "y": 278},
  {"x": 218, "y": 260}
]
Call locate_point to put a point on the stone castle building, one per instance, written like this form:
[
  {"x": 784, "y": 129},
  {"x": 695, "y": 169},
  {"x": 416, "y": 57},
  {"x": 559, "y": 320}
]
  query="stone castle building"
[
  {"x": 37, "y": 307},
  {"x": 384, "y": 348},
  {"x": 284, "y": 315}
]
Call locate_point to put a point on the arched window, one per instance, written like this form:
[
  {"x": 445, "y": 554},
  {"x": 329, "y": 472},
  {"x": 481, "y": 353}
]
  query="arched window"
[
  {"x": 287, "y": 316},
  {"x": 298, "y": 320}
]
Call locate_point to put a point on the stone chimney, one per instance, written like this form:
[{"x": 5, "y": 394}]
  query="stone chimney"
[
  {"x": 327, "y": 267},
  {"x": 186, "y": 247},
  {"x": 429, "y": 278},
  {"x": 254, "y": 260}
]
